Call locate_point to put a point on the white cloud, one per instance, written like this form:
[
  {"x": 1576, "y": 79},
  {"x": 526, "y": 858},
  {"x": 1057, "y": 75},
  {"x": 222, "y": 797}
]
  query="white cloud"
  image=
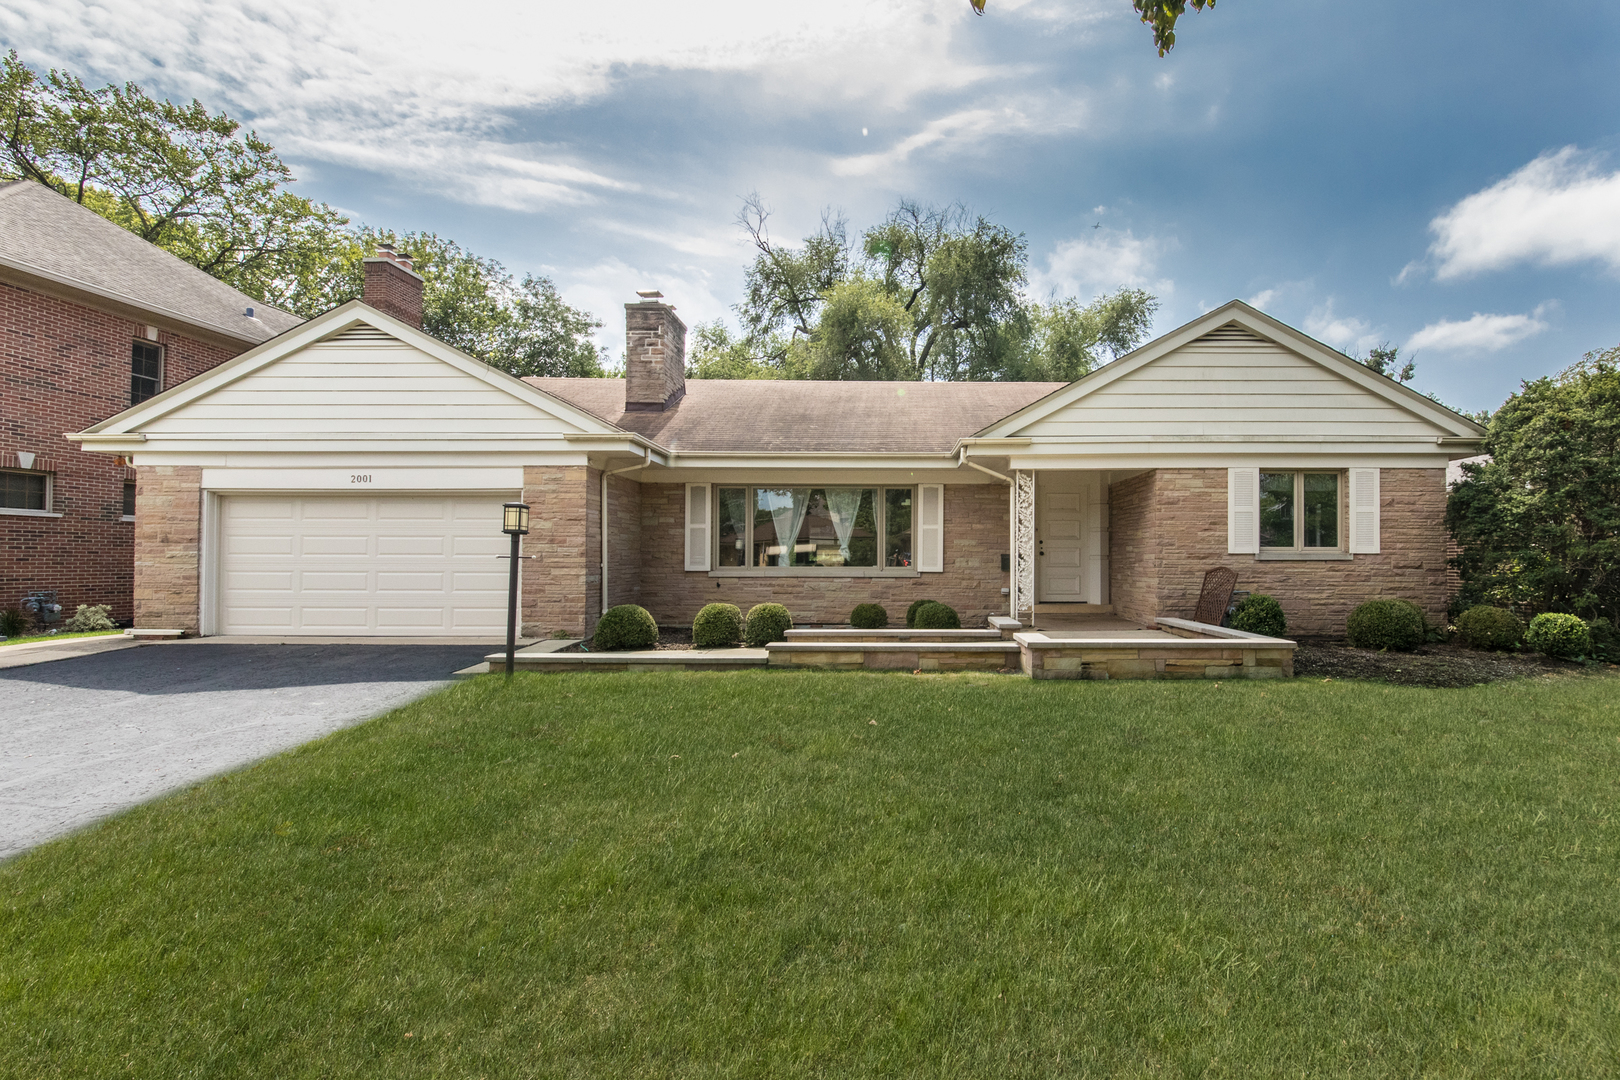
[
  {"x": 1101, "y": 260},
  {"x": 1561, "y": 208},
  {"x": 1262, "y": 298},
  {"x": 1344, "y": 332},
  {"x": 1482, "y": 333},
  {"x": 968, "y": 130}
]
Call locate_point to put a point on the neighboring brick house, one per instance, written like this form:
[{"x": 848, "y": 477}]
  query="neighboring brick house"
[
  {"x": 93, "y": 319},
  {"x": 348, "y": 478}
]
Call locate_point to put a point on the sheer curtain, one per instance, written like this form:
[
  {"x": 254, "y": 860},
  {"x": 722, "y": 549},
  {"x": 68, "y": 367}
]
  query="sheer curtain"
[
  {"x": 842, "y": 506},
  {"x": 788, "y": 506}
]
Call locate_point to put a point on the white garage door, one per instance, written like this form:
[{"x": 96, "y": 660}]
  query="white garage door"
[{"x": 401, "y": 565}]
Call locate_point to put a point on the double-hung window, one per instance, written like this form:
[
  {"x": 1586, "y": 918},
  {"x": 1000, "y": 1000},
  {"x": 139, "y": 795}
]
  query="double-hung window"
[
  {"x": 831, "y": 528},
  {"x": 1301, "y": 511},
  {"x": 145, "y": 371}
]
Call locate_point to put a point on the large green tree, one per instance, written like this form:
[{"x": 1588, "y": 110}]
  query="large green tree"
[
  {"x": 193, "y": 183},
  {"x": 926, "y": 293},
  {"x": 1538, "y": 522}
]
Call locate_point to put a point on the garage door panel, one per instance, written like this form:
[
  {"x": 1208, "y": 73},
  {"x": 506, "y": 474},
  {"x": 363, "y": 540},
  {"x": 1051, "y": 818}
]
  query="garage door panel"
[{"x": 399, "y": 565}]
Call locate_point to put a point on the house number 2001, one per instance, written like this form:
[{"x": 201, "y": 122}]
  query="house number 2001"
[{"x": 359, "y": 478}]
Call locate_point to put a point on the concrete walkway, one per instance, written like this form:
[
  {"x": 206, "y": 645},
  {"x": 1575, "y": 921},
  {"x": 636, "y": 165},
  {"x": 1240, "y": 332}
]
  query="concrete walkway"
[
  {"x": 43, "y": 652},
  {"x": 91, "y": 735}
]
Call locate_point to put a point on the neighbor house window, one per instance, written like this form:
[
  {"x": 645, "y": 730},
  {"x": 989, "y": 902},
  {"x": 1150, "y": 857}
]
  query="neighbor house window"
[
  {"x": 1300, "y": 510},
  {"x": 145, "y": 372},
  {"x": 828, "y": 527},
  {"x": 25, "y": 491},
  {"x": 129, "y": 498}
]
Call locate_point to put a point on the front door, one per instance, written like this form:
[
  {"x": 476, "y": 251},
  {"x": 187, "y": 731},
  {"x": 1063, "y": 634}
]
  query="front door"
[{"x": 1060, "y": 511}]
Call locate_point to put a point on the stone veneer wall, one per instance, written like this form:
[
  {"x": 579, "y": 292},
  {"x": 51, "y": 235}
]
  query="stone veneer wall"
[
  {"x": 976, "y": 535},
  {"x": 562, "y": 584},
  {"x": 1167, "y": 528},
  {"x": 168, "y": 545},
  {"x": 624, "y": 545}
]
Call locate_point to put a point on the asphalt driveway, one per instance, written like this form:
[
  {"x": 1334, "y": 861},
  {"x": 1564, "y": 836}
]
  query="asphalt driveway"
[{"x": 87, "y": 737}]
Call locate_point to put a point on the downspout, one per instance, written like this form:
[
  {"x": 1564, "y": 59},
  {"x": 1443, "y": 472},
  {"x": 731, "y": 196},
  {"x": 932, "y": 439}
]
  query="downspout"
[
  {"x": 642, "y": 464},
  {"x": 961, "y": 459}
]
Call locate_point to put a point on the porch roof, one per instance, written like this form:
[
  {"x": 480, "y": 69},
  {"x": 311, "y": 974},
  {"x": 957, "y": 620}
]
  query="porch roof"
[{"x": 788, "y": 416}]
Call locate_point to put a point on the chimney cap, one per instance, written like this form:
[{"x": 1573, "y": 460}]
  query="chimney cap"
[{"x": 649, "y": 294}]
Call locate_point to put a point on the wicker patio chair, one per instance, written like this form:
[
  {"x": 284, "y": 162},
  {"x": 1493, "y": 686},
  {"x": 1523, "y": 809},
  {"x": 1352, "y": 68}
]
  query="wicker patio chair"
[{"x": 1216, "y": 595}]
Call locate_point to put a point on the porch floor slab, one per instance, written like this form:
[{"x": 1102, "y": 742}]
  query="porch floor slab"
[{"x": 1088, "y": 625}]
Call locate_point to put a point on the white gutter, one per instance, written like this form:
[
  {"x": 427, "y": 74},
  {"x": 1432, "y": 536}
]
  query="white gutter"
[{"x": 646, "y": 461}]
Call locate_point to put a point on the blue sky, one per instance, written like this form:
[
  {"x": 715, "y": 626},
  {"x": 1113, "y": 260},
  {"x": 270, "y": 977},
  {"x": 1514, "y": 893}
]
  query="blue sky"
[{"x": 1442, "y": 177}]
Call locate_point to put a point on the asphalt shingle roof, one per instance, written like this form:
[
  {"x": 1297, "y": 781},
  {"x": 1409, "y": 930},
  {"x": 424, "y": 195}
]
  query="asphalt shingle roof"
[
  {"x": 51, "y": 236},
  {"x": 798, "y": 416}
]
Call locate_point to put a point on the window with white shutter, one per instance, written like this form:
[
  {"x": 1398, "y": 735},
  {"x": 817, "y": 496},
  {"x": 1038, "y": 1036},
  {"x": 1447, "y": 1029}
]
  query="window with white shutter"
[
  {"x": 1243, "y": 511},
  {"x": 697, "y": 526},
  {"x": 931, "y": 528},
  {"x": 1364, "y": 505}
]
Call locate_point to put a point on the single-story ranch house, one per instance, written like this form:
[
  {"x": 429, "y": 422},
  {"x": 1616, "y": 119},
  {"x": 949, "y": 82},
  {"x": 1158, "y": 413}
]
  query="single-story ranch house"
[{"x": 346, "y": 478}]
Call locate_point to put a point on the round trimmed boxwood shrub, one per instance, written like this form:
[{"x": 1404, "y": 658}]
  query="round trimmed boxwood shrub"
[
  {"x": 1485, "y": 626},
  {"x": 1386, "y": 624},
  {"x": 936, "y": 616},
  {"x": 869, "y": 617},
  {"x": 1562, "y": 636},
  {"x": 1260, "y": 614},
  {"x": 911, "y": 612},
  {"x": 717, "y": 626},
  {"x": 626, "y": 627},
  {"x": 767, "y": 623}
]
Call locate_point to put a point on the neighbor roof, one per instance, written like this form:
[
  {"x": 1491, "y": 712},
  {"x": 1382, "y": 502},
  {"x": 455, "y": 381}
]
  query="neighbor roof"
[
  {"x": 46, "y": 235},
  {"x": 798, "y": 416}
]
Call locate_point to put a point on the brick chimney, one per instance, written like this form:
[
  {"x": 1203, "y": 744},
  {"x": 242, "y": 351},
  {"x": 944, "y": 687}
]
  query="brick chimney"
[
  {"x": 654, "y": 354},
  {"x": 393, "y": 287}
]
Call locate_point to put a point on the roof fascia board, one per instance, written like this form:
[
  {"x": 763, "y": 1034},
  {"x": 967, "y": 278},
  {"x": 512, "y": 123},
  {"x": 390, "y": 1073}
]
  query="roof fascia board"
[
  {"x": 1262, "y": 325},
  {"x": 346, "y": 317},
  {"x": 37, "y": 279}
]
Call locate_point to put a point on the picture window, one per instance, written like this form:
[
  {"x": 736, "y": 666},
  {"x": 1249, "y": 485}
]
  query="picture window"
[{"x": 829, "y": 527}]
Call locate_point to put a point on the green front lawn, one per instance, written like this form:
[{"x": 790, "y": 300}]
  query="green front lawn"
[{"x": 717, "y": 875}]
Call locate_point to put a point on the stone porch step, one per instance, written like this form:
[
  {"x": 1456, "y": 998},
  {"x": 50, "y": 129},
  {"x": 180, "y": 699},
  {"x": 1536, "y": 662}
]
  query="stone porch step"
[
  {"x": 1074, "y": 609},
  {"x": 976, "y": 655}
]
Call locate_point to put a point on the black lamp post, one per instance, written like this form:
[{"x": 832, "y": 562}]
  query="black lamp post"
[{"x": 514, "y": 523}]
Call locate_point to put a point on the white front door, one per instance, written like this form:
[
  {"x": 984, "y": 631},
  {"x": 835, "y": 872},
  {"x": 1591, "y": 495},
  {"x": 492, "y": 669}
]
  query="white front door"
[
  {"x": 1071, "y": 530},
  {"x": 402, "y": 565}
]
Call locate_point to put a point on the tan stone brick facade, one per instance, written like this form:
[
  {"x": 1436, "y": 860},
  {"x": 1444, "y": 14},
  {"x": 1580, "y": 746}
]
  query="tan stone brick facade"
[
  {"x": 562, "y": 580},
  {"x": 1166, "y": 528},
  {"x": 976, "y": 535},
  {"x": 624, "y": 552},
  {"x": 168, "y": 544}
]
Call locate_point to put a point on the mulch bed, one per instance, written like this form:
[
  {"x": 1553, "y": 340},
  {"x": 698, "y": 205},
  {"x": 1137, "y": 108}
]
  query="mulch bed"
[
  {"x": 1432, "y": 665},
  {"x": 676, "y": 638}
]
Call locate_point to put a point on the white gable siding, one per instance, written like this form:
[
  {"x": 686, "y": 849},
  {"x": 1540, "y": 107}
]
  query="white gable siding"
[
  {"x": 356, "y": 384},
  {"x": 1230, "y": 383}
]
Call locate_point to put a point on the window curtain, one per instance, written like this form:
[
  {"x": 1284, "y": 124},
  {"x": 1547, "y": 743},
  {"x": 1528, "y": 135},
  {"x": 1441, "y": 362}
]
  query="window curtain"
[
  {"x": 842, "y": 506},
  {"x": 787, "y": 514}
]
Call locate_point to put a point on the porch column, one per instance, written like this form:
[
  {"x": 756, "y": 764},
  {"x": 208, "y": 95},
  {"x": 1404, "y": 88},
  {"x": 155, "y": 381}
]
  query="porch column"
[{"x": 1023, "y": 542}]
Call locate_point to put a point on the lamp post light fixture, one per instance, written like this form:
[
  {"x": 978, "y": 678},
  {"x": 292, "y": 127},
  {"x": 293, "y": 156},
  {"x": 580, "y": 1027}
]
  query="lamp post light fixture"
[{"x": 514, "y": 523}]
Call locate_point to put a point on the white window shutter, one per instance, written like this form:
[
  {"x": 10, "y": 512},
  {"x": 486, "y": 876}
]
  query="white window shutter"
[
  {"x": 1243, "y": 511},
  {"x": 697, "y": 526},
  {"x": 1364, "y": 505},
  {"x": 930, "y": 524}
]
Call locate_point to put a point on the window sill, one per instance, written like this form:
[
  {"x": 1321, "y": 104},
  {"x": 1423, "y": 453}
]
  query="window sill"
[
  {"x": 814, "y": 572},
  {"x": 1286, "y": 555},
  {"x": 28, "y": 513},
  {"x": 127, "y": 517}
]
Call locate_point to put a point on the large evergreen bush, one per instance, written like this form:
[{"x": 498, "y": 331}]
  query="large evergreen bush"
[
  {"x": 625, "y": 627},
  {"x": 1386, "y": 624},
  {"x": 717, "y": 626}
]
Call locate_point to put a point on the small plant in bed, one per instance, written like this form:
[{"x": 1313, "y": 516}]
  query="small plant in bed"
[
  {"x": 937, "y": 616},
  {"x": 869, "y": 617},
  {"x": 911, "y": 612},
  {"x": 1386, "y": 624},
  {"x": 1260, "y": 614},
  {"x": 89, "y": 619},
  {"x": 767, "y": 623},
  {"x": 627, "y": 626},
  {"x": 1562, "y": 636},
  {"x": 13, "y": 622},
  {"x": 1484, "y": 626},
  {"x": 717, "y": 626}
]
